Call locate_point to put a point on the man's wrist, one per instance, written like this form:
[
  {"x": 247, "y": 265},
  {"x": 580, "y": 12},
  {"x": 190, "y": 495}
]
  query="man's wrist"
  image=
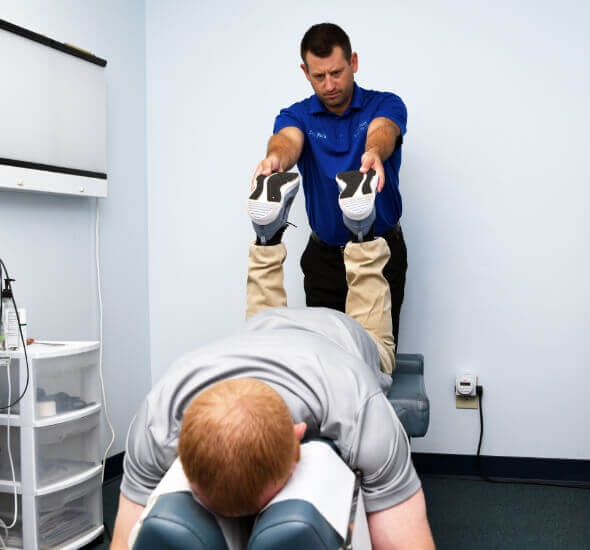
[{"x": 374, "y": 150}]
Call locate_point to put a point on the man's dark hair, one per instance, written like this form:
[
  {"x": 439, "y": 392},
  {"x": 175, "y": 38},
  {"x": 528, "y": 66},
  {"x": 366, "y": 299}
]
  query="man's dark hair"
[{"x": 321, "y": 39}]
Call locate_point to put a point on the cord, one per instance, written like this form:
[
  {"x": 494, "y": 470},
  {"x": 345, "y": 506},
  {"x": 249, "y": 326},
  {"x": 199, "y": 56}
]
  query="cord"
[
  {"x": 101, "y": 331},
  {"x": 10, "y": 456},
  {"x": 11, "y": 404},
  {"x": 483, "y": 475},
  {"x": 20, "y": 330}
]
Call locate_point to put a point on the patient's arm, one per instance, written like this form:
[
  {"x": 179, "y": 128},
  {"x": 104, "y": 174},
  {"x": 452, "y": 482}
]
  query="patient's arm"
[
  {"x": 402, "y": 527},
  {"x": 127, "y": 516}
]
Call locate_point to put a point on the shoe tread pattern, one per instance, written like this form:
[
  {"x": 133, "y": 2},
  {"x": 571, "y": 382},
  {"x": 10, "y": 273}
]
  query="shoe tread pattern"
[
  {"x": 367, "y": 185},
  {"x": 275, "y": 182},
  {"x": 352, "y": 179},
  {"x": 259, "y": 187}
]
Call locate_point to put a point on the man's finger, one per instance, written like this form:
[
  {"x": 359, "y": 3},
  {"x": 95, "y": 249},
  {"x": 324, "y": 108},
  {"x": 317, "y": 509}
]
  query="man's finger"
[
  {"x": 276, "y": 165},
  {"x": 267, "y": 168},
  {"x": 380, "y": 180},
  {"x": 365, "y": 166},
  {"x": 256, "y": 174}
]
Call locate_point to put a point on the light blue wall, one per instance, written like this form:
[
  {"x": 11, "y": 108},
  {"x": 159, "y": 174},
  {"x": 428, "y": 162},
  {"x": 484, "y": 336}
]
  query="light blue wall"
[
  {"x": 494, "y": 180},
  {"x": 47, "y": 241}
]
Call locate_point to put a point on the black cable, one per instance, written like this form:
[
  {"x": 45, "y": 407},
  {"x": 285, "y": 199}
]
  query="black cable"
[
  {"x": 107, "y": 531},
  {"x": 20, "y": 329},
  {"x": 572, "y": 485},
  {"x": 479, "y": 390}
]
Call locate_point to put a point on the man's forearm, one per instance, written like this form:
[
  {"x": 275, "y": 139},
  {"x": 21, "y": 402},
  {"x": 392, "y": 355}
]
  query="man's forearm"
[
  {"x": 127, "y": 515},
  {"x": 382, "y": 140},
  {"x": 284, "y": 149},
  {"x": 402, "y": 527}
]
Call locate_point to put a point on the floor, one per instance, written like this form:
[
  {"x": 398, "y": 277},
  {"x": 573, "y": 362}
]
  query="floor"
[{"x": 475, "y": 514}]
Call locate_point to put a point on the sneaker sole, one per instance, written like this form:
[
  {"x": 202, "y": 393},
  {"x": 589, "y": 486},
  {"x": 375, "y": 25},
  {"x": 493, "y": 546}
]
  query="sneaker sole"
[
  {"x": 264, "y": 208},
  {"x": 357, "y": 195}
]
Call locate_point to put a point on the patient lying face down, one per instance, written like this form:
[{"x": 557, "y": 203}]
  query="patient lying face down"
[
  {"x": 238, "y": 446},
  {"x": 235, "y": 410}
]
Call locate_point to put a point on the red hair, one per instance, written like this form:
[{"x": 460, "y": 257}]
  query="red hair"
[{"x": 236, "y": 440}]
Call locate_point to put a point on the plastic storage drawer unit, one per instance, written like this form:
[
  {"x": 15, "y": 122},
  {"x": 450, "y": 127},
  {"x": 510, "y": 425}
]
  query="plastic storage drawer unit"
[
  {"x": 65, "y": 384},
  {"x": 55, "y": 444},
  {"x": 61, "y": 450},
  {"x": 62, "y": 518}
]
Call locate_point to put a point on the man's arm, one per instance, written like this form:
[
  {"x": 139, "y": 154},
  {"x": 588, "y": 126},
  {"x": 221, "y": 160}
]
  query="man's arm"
[
  {"x": 284, "y": 149},
  {"x": 127, "y": 516},
  {"x": 402, "y": 527},
  {"x": 382, "y": 136}
]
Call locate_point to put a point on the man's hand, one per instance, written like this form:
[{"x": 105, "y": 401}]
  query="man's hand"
[
  {"x": 371, "y": 159},
  {"x": 284, "y": 149},
  {"x": 272, "y": 163},
  {"x": 382, "y": 135}
]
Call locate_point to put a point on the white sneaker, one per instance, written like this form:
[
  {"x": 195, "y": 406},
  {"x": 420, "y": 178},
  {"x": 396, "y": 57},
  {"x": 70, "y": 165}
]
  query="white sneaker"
[
  {"x": 357, "y": 200},
  {"x": 270, "y": 202}
]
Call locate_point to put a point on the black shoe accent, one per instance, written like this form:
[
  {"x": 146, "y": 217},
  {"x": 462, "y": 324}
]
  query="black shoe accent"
[
  {"x": 273, "y": 188},
  {"x": 275, "y": 183},
  {"x": 353, "y": 179},
  {"x": 367, "y": 185},
  {"x": 259, "y": 187}
]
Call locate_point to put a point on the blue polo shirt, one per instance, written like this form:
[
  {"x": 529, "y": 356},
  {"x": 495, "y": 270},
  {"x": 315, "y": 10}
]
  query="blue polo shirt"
[{"x": 335, "y": 143}]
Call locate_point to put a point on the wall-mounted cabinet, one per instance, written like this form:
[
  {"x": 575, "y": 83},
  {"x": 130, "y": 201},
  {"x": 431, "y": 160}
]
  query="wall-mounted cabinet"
[{"x": 53, "y": 113}]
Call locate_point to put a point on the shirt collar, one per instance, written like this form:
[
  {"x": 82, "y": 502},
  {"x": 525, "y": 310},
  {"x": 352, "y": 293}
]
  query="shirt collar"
[{"x": 316, "y": 106}]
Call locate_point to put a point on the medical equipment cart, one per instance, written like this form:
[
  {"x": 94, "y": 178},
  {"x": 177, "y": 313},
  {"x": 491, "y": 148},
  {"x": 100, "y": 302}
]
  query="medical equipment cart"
[{"x": 55, "y": 442}]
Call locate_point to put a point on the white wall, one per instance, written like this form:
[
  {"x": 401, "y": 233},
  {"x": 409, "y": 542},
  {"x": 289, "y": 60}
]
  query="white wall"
[
  {"x": 494, "y": 181},
  {"x": 47, "y": 241}
]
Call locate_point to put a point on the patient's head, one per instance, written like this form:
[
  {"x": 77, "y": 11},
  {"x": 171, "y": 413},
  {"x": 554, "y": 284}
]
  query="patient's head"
[{"x": 238, "y": 446}]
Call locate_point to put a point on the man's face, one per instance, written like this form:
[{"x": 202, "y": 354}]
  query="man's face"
[{"x": 332, "y": 78}]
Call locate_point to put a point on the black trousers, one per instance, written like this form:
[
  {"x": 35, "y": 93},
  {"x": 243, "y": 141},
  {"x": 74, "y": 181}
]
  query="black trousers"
[{"x": 325, "y": 276}]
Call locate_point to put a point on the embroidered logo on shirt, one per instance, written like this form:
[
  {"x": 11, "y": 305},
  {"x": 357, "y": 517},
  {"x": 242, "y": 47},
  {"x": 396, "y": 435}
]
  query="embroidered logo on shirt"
[
  {"x": 317, "y": 135},
  {"x": 362, "y": 127}
]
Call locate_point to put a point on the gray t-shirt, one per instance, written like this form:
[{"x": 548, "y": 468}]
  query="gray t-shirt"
[{"x": 326, "y": 368}]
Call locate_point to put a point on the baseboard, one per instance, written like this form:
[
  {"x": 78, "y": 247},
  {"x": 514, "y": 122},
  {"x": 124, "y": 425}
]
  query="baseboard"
[
  {"x": 113, "y": 467},
  {"x": 545, "y": 469}
]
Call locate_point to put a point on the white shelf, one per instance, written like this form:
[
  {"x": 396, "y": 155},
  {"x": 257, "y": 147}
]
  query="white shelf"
[
  {"x": 7, "y": 487},
  {"x": 54, "y": 349},
  {"x": 52, "y": 420},
  {"x": 84, "y": 539},
  {"x": 67, "y": 417},
  {"x": 41, "y": 181},
  {"x": 14, "y": 420},
  {"x": 69, "y": 482}
]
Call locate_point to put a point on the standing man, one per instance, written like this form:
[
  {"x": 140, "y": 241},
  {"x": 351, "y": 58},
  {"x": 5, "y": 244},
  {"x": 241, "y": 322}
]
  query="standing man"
[{"x": 341, "y": 127}]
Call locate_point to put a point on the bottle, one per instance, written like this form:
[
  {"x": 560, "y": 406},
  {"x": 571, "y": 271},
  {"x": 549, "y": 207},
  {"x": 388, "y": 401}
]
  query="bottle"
[{"x": 10, "y": 326}]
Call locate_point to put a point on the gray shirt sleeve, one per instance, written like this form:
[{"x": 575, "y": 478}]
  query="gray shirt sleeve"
[
  {"x": 381, "y": 451},
  {"x": 146, "y": 461}
]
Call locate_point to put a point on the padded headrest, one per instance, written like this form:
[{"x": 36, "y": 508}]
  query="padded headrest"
[
  {"x": 178, "y": 522},
  {"x": 293, "y": 525}
]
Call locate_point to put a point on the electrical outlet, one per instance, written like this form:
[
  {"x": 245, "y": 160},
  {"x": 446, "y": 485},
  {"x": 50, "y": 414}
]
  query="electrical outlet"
[
  {"x": 466, "y": 391},
  {"x": 467, "y": 402}
]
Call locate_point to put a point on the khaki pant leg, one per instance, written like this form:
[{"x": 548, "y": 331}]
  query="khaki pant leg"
[
  {"x": 265, "y": 278},
  {"x": 369, "y": 299}
]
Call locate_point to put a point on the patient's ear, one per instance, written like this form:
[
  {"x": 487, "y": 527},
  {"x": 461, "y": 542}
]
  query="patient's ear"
[{"x": 300, "y": 430}]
